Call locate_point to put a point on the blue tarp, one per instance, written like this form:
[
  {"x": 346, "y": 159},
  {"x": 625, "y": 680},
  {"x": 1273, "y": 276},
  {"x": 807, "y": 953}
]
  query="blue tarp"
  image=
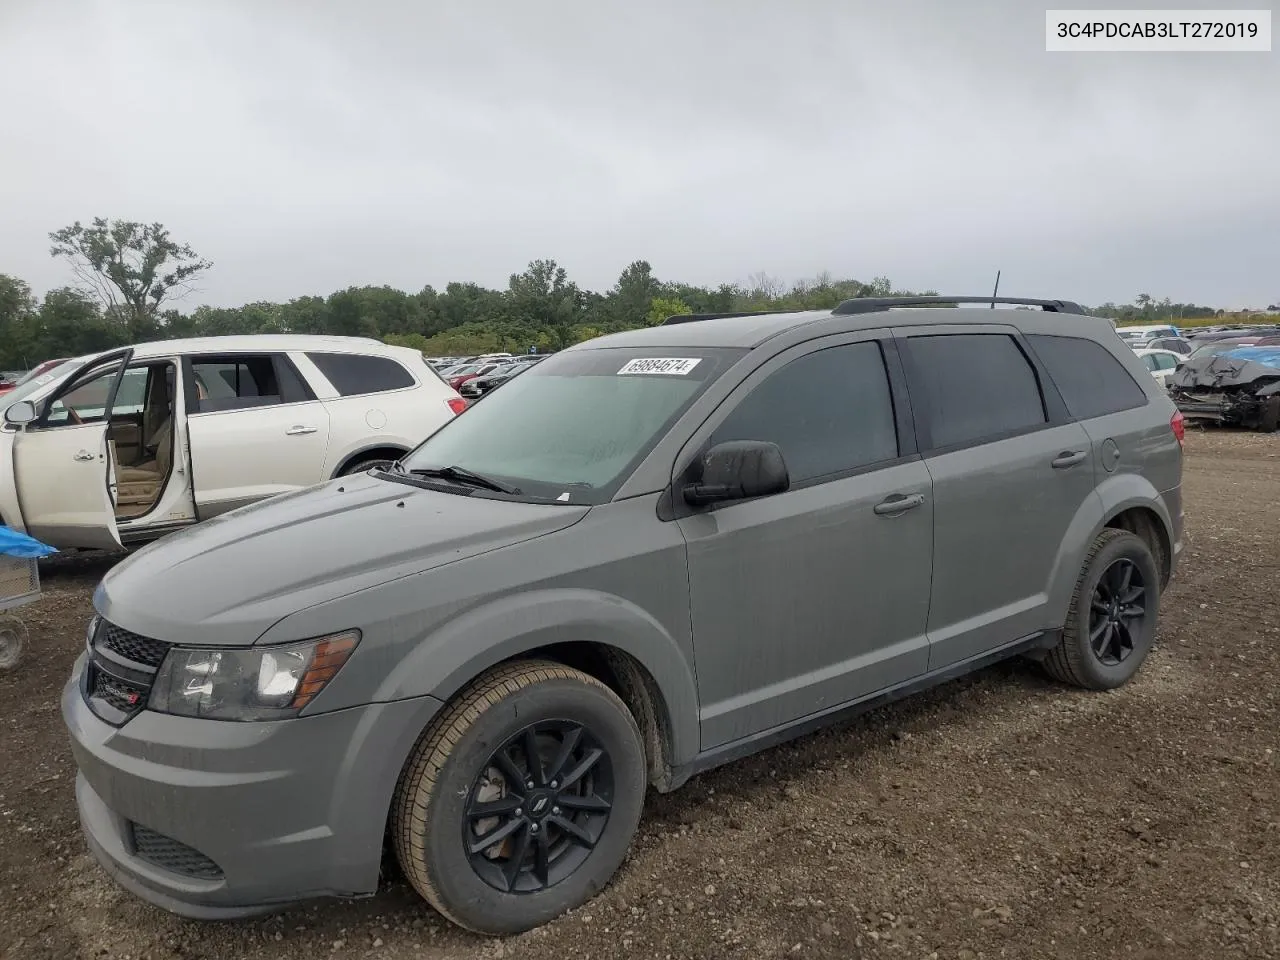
[
  {"x": 15, "y": 544},
  {"x": 1267, "y": 356}
]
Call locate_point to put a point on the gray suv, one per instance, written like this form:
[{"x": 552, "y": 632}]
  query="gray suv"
[{"x": 650, "y": 554}]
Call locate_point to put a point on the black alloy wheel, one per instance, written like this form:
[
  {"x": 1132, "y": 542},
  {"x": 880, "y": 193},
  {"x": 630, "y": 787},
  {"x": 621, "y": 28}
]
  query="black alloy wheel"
[
  {"x": 1112, "y": 615},
  {"x": 520, "y": 798},
  {"x": 1117, "y": 611},
  {"x": 539, "y": 807}
]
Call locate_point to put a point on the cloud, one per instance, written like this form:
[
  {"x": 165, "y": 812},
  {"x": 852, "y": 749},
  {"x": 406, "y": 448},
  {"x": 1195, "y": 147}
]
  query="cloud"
[{"x": 307, "y": 146}]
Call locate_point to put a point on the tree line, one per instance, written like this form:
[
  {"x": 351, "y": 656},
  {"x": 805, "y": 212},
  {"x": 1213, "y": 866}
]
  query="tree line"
[{"x": 131, "y": 277}]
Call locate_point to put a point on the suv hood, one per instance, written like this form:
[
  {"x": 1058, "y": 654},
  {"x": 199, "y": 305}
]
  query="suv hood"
[
  {"x": 226, "y": 580},
  {"x": 1231, "y": 368}
]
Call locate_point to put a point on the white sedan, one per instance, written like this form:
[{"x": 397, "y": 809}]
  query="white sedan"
[
  {"x": 1161, "y": 363},
  {"x": 127, "y": 445}
]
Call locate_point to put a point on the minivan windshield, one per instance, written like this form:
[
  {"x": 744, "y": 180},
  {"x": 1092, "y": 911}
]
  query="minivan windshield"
[{"x": 573, "y": 428}]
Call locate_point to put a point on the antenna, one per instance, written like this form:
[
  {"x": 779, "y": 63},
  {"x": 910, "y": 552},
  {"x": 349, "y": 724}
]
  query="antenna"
[{"x": 995, "y": 291}]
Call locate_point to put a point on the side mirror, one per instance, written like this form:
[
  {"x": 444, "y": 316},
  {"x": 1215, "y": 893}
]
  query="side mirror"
[
  {"x": 739, "y": 470},
  {"x": 16, "y": 414}
]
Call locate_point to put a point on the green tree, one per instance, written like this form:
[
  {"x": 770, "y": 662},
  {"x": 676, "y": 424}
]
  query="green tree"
[
  {"x": 130, "y": 268},
  {"x": 661, "y": 308},
  {"x": 627, "y": 304},
  {"x": 70, "y": 324},
  {"x": 17, "y": 316},
  {"x": 545, "y": 296}
]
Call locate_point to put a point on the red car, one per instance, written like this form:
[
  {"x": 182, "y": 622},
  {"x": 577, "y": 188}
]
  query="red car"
[
  {"x": 7, "y": 385},
  {"x": 457, "y": 376}
]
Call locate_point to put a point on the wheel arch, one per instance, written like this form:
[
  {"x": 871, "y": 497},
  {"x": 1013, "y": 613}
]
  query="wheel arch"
[
  {"x": 634, "y": 684},
  {"x": 1125, "y": 501},
  {"x": 1143, "y": 521},
  {"x": 370, "y": 451},
  {"x": 1130, "y": 502},
  {"x": 602, "y": 635}
]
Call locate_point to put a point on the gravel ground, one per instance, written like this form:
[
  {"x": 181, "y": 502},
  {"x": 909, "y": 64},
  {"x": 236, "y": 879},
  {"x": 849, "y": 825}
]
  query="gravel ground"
[{"x": 998, "y": 816}]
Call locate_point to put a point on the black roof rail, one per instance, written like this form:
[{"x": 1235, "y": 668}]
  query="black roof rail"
[
  {"x": 875, "y": 304},
  {"x": 691, "y": 317}
]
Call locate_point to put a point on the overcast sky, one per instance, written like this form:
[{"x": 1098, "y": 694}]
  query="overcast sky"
[{"x": 307, "y": 145}]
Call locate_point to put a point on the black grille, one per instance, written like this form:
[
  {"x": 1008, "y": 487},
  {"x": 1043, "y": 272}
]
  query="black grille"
[
  {"x": 172, "y": 855},
  {"x": 131, "y": 646},
  {"x": 121, "y": 671},
  {"x": 119, "y": 694}
]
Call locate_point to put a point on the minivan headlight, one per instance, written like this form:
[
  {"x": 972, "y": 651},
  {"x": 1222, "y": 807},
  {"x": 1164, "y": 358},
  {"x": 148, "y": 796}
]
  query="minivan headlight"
[{"x": 255, "y": 683}]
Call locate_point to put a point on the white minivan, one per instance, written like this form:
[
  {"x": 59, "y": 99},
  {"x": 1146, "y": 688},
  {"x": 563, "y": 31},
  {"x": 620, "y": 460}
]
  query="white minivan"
[{"x": 127, "y": 445}]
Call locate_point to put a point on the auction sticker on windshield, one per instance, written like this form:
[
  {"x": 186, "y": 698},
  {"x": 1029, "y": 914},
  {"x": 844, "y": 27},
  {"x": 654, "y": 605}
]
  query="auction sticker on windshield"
[{"x": 670, "y": 366}]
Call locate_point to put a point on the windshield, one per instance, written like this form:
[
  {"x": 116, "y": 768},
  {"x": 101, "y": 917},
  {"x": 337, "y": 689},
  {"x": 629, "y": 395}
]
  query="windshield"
[
  {"x": 572, "y": 428},
  {"x": 1209, "y": 349},
  {"x": 32, "y": 385}
]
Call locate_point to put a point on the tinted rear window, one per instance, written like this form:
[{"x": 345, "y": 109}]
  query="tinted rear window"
[
  {"x": 1091, "y": 380},
  {"x": 352, "y": 373},
  {"x": 975, "y": 387}
]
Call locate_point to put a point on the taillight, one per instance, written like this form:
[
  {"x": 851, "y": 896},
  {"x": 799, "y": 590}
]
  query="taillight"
[
  {"x": 1179, "y": 426},
  {"x": 457, "y": 405}
]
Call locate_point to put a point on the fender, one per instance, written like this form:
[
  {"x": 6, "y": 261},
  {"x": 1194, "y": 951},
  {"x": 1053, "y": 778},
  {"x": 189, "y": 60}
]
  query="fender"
[
  {"x": 1111, "y": 498},
  {"x": 460, "y": 649}
]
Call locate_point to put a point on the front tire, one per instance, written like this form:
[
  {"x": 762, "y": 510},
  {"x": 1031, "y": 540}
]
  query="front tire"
[
  {"x": 499, "y": 845},
  {"x": 1111, "y": 623}
]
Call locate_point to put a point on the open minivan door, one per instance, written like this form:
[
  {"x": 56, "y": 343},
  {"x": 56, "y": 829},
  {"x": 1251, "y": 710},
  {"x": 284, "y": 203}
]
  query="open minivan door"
[{"x": 63, "y": 465}]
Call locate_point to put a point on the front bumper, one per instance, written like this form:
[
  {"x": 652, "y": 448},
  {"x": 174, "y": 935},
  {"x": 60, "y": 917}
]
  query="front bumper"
[{"x": 216, "y": 819}]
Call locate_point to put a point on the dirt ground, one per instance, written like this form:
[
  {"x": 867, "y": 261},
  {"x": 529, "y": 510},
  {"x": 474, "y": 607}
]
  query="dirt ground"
[{"x": 998, "y": 816}]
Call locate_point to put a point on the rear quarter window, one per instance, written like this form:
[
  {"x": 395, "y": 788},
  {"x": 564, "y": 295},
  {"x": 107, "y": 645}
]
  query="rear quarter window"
[
  {"x": 353, "y": 374},
  {"x": 1092, "y": 382}
]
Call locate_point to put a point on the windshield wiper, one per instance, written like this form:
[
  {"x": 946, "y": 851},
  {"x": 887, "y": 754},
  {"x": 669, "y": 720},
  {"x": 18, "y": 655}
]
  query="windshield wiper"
[{"x": 463, "y": 475}]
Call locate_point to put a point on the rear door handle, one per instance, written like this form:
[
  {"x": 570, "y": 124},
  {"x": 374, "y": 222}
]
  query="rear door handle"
[
  {"x": 299, "y": 430},
  {"x": 1068, "y": 458},
  {"x": 84, "y": 455},
  {"x": 898, "y": 503}
]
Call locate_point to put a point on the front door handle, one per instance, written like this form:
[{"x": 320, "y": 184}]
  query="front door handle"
[
  {"x": 1068, "y": 458},
  {"x": 898, "y": 503},
  {"x": 299, "y": 430},
  {"x": 84, "y": 455}
]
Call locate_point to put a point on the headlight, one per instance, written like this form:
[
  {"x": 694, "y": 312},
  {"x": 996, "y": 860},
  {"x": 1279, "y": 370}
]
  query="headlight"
[{"x": 258, "y": 683}]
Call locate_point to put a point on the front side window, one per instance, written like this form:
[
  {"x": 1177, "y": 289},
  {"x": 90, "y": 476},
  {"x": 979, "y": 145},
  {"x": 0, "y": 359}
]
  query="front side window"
[
  {"x": 975, "y": 387},
  {"x": 86, "y": 400},
  {"x": 573, "y": 428},
  {"x": 830, "y": 412}
]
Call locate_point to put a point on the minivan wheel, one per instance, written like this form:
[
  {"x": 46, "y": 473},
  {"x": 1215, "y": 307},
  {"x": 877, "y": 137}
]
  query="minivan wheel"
[
  {"x": 520, "y": 800},
  {"x": 1112, "y": 619}
]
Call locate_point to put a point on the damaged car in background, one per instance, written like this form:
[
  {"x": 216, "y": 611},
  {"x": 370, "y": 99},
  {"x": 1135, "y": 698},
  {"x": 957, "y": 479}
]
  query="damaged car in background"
[{"x": 1239, "y": 387}]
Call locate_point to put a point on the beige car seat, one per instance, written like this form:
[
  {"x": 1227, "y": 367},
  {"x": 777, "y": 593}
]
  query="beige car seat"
[{"x": 141, "y": 482}]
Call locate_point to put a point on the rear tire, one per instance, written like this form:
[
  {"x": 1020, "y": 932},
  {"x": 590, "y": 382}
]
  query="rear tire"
[
  {"x": 1104, "y": 642},
  {"x": 563, "y": 832}
]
